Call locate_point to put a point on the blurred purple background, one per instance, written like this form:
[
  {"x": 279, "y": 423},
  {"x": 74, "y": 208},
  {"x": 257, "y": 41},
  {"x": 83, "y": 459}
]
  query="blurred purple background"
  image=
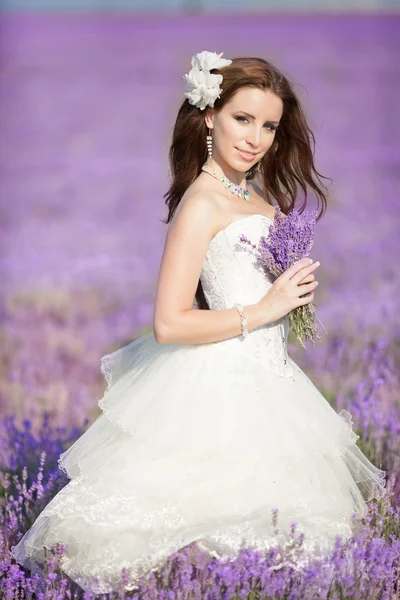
[{"x": 88, "y": 103}]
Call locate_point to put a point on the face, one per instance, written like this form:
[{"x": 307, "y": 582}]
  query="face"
[{"x": 244, "y": 129}]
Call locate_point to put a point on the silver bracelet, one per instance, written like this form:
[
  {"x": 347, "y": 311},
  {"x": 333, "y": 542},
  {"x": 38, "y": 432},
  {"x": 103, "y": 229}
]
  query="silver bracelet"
[{"x": 243, "y": 320}]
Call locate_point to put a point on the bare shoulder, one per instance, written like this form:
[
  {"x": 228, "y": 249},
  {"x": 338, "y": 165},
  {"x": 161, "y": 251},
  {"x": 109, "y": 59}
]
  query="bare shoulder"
[{"x": 198, "y": 208}]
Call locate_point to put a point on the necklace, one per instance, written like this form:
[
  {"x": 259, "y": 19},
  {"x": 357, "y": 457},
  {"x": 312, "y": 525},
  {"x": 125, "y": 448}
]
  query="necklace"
[{"x": 242, "y": 192}]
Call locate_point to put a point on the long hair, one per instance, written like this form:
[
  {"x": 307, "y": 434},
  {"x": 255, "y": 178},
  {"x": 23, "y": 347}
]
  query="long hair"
[{"x": 288, "y": 163}]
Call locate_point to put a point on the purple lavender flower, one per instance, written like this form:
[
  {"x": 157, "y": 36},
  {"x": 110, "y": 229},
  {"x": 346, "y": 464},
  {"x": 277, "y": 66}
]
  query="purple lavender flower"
[{"x": 290, "y": 238}]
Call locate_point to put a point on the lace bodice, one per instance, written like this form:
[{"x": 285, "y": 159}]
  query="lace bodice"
[{"x": 231, "y": 273}]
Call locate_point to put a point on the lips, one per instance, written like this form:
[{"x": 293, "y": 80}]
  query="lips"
[{"x": 248, "y": 156}]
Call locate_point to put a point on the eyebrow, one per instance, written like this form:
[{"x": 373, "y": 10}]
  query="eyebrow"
[{"x": 251, "y": 117}]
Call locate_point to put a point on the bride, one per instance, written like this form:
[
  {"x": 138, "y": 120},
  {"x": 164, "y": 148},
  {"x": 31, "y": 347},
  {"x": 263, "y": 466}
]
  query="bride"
[{"x": 207, "y": 424}]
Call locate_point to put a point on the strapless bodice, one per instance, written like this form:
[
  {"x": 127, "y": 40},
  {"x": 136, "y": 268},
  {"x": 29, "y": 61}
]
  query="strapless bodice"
[{"x": 231, "y": 273}]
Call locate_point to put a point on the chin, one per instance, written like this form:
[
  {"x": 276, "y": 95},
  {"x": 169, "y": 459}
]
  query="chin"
[{"x": 242, "y": 165}]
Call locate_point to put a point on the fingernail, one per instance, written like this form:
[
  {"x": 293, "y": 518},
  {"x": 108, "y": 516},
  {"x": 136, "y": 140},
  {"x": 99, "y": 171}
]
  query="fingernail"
[{"x": 310, "y": 261}]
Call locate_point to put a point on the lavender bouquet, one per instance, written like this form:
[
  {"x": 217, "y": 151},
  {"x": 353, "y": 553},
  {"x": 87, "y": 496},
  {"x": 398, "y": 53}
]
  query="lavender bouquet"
[{"x": 290, "y": 239}]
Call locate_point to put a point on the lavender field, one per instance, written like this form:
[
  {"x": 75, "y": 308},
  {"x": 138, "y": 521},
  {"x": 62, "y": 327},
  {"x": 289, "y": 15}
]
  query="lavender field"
[{"x": 87, "y": 109}]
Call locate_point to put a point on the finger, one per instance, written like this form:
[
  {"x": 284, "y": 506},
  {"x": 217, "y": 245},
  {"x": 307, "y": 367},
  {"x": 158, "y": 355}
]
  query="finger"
[
  {"x": 306, "y": 288},
  {"x": 297, "y": 266},
  {"x": 305, "y": 258},
  {"x": 306, "y": 300},
  {"x": 308, "y": 278},
  {"x": 299, "y": 276}
]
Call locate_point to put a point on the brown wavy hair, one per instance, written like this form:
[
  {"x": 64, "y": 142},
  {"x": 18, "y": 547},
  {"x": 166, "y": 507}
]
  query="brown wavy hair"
[{"x": 288, "y": 164}]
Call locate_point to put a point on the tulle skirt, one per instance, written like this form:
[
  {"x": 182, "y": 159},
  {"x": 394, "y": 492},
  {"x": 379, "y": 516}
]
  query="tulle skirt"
[{"x": 198, "y": 444}]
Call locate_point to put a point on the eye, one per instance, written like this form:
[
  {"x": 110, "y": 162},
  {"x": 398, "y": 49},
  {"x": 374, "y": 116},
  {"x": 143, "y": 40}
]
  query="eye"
[{"x": 241, "y": 119}]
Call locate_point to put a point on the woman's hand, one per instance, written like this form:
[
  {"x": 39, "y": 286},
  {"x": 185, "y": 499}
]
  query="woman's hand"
[{"x": 284, "y": 295}]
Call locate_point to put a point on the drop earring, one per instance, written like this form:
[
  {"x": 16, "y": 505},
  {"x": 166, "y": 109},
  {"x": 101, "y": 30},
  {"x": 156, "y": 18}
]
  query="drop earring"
[{"x": 209, "y": 144}]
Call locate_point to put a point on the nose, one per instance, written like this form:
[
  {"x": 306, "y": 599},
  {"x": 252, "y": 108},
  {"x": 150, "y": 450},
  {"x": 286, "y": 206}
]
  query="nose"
[{"x": 253, "y": 137}]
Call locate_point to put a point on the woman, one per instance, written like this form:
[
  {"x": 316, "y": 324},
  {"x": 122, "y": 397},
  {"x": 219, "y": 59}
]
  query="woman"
[{"x": 208, "y": 425}]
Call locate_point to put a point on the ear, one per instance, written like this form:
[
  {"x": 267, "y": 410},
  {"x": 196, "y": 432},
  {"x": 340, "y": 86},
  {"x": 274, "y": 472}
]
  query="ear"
[{"x": 209, "y": 118}]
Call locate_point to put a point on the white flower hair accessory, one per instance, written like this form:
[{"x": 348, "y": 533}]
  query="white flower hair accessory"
[{"x": 202, "y": 87}]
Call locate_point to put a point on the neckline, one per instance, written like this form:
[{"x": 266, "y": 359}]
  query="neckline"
[
  {"x": 239, "y": 221},
  {"x": 242, "y": 192}
]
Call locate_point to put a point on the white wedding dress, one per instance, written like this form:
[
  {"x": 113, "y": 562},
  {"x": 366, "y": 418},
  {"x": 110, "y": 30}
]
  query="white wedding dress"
[{"x": 200, "y": 443}]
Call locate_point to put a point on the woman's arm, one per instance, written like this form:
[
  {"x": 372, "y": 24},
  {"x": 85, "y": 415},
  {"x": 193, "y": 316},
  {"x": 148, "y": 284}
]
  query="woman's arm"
[{"x": 196, "y": 221}]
